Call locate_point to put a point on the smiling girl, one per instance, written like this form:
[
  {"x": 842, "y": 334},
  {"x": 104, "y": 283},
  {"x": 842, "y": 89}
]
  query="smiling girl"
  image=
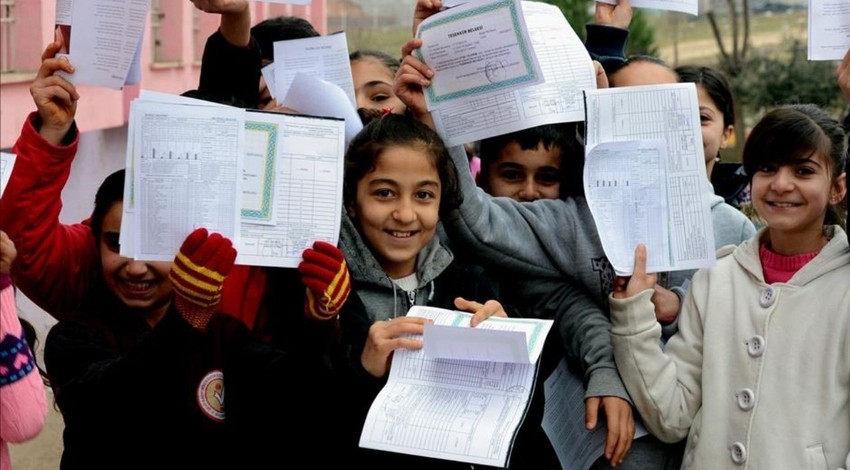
[
  {"x": 737, "y": 379},
  {"x": 399, "y": 179}
]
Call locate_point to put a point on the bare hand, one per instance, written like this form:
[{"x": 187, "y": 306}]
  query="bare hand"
[
  {"x": 843, "y": 74},
  {"x": 601, "y": 76},
  {"x": 7, "y": 253},
  {"x": 424, "y": 9},
  {"x": 666, "y": 304},
  {"x": 221, "y": 6},
  {"x": 620, "y": 423},
  {"x": 639, "y": 281},
  {"x": 55, "y": 97},
  {"x": 480, "y": 312},
  {"x": 387, "y": 336},
  {"x": 410, "y": 79},
  {"x": 619, "y": 15}
]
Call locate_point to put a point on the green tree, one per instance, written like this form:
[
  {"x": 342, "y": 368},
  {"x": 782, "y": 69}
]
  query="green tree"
[{"x": 580, "y": 13}]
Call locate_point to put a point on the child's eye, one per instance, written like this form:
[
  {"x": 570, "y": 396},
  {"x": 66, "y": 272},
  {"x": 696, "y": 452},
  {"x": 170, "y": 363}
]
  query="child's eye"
[
  {"x": 547, "y": 178},
  {"x": 380, "y": 98},
  {"x": 424, "y": 195},
  {"x": 511, "y": 175},
  {"x": 383, "y": 193},
  {"x": 767, "y": 168},
  {"x": 704, "y": 118},
  {"x": 805, "y": 171}
]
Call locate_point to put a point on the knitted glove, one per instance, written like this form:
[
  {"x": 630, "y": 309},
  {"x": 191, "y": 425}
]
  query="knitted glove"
[
  {"x": 325, "y": 274},
  {"x": 198, "y": 273}
]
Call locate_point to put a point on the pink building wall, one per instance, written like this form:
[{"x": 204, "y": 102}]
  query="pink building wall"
[{"x": 101, "y": 108}]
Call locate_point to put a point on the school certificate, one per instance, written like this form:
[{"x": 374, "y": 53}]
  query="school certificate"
[{"x": 475, "y": 49}]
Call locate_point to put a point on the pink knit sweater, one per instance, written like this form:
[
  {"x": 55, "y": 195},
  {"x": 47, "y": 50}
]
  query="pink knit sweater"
[{"x": 23, "y": 406}]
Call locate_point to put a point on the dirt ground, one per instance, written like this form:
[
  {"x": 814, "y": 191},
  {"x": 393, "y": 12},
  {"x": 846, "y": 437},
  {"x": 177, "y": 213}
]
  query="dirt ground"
[{"x": 43, "y": 452}]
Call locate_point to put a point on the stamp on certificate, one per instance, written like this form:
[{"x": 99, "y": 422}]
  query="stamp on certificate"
[{"x": 495, "y": 70}]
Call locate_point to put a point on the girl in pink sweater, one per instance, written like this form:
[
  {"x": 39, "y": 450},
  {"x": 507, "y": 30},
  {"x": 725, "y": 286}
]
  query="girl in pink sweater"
[{"x": 22, "y": 403}]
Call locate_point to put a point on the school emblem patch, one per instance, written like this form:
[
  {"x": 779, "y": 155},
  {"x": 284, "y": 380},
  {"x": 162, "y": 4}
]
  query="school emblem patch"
[{"x": 211, "y": 395}]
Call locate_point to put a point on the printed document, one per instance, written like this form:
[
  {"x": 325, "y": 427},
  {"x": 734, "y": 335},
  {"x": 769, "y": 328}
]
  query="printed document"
[
  {"x": 476, "y": 49},
  {"x": 456, "y": 409},
  {"x": 317, "y": 97},
  {"x": 271, "y": 182},
  {"x": 7, "y": 164},
  {"x": 563, "y": 421},
  {"x": 684, "y": 6},
  {"x": 102, "y": 39},
  {"x": 645, "y": 179},
  {"x": 324, "y": 57},
  {"x": 829, "y": 29},
  {"x": 567, "y": 71}
]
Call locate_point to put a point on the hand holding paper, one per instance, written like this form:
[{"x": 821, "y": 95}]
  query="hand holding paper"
[
  {"x": 639, "y": 281},
  {"x": 55, "y": 97},
  {"x": 387, "y": 336}
]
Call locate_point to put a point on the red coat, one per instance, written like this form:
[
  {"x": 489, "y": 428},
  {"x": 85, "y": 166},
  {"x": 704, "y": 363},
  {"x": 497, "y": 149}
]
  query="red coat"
[{"x": 58, "y": 265}]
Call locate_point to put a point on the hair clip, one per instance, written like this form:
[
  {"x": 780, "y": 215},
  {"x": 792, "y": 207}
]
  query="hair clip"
[{"x": 386, "y": 111}]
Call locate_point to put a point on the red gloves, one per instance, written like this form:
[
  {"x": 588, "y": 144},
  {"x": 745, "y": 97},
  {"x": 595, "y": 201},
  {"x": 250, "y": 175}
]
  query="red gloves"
[
  {"x": 325, "y": 274},
  {"x": 198, "y": 273}
]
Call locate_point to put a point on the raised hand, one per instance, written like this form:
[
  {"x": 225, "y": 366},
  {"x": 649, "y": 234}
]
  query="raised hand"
[
  {"x": 412, "y": 76},
  {"x": 325, "y": 274},
  {"x": 198, "y": 274},
  {"x": 55, "y": 97},
  {"x": 424, "y": 9},
  {"x": 221, "y": 6},
  {"x": 639, "y": 281},
  {"x": 619, "y": 15}
]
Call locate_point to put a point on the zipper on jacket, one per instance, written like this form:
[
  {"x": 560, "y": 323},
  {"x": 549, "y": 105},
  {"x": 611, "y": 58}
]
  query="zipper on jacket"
[{"x": 411, "y": 296}]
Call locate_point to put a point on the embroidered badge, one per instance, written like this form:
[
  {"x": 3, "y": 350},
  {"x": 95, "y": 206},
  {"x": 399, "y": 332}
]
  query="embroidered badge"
[{"x": 211, "y": 395}]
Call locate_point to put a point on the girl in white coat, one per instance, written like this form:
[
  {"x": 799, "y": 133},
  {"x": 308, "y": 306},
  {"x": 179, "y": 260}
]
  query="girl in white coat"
[{"x": 759, "y": 374}]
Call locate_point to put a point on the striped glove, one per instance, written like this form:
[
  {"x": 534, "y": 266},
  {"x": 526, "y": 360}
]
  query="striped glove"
[
  {"x": 198, "y": 273},
  {"x": 325, "y": 274}
]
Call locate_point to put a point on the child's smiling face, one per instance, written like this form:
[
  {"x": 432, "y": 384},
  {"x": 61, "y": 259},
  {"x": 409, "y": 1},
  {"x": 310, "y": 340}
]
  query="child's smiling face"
[{"x": 397, "y": 208}]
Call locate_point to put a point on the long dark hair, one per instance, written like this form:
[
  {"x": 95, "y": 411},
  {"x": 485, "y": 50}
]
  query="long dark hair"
[{"x": 110, "y": 192}]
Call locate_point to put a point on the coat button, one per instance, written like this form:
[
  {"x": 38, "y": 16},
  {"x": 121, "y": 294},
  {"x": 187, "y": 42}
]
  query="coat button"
[
  {"x": 739, "y": 453},
  {"x": 746, "y": 399},
  {"x": 755, "y": 346},
  {"x": 768, "y": 296}
]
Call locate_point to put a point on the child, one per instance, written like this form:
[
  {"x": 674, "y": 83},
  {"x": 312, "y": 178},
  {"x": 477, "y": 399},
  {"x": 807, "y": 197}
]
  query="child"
[
  {"x": 373, "y": 73},
  {"x": 23, "y": 407},
  {"x": 531, "y": 164},
  {"x": 399, "y": 179},
  {"x": 738, "y": 378}
]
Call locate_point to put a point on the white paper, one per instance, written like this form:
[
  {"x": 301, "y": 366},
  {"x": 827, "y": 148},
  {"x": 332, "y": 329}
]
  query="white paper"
[
  {"x": 317, "y": 97},
  {"x": 477, "y": 49},
  {"x": 625, "y": 184},
  {"x": 460, "y": 410},
  {"x": 829, "y": 29},
  {"x": 563, "y": 421},
  {"x": 289, "y": 191},
  {"x": 103, "y": 37},
  {"x": 7, "y": 164},
  {"x": 668, "y": 113},
  {"x": 567, "y": 70},
  {"x": 126, "y": 239},
  {"x": 495, "y": 340},
  {"x": 268, "y": 75},
  {"x": 305, "y": 196},
  {"x": 324, "y": 57},
  {"x": 187, "y": 169},
  {"x": 684, "y": 6}
]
